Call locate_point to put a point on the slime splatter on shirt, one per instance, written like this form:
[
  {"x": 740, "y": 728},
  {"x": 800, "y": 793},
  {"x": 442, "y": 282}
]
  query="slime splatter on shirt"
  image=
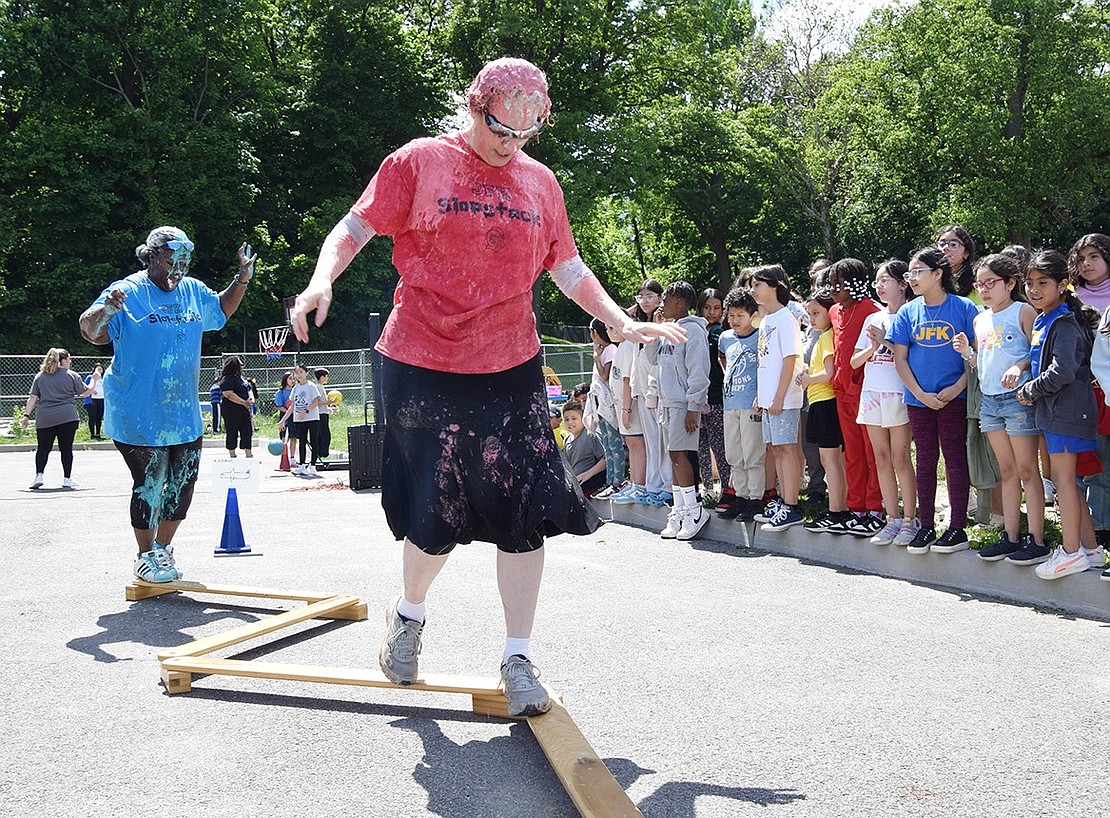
[
  {"x": 151, "y": 389},
  {"x": 469, "y": 241}
]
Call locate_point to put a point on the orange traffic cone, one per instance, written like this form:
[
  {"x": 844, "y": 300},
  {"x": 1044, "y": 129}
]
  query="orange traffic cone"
[{"x": 284, "y": 465}]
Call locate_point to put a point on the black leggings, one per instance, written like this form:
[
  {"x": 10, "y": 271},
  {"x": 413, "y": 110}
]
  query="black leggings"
[
  {"x": 163, "y": 478},
  {"x": 96, "y": 416},
  {"x": 303, "y": 430},
  {"x": 63, "y": 433}
]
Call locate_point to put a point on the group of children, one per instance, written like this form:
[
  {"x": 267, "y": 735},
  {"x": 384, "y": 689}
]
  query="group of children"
[
  {"x": 308, "y": 405},
  {"x": 992, "y": 363}
]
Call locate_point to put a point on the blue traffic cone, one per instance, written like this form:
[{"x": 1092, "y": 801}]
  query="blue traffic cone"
[{"x": 232, "y": 542}]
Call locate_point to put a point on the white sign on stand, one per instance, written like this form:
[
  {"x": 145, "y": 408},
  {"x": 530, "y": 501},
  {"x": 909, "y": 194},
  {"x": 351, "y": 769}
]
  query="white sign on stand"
[{"x": 244, "y": 474}]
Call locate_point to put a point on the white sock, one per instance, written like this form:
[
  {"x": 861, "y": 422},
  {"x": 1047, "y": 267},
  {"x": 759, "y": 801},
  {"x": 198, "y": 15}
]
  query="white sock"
[
  {"x": 679, "y": 497},
  {"x": 689, "y": 496},
  {"x": 515, "y": 647},
  {"x": 411, "y": 610}
]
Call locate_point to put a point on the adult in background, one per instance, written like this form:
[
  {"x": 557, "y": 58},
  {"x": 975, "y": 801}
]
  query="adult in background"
[
  {"x": 238, "y": 400},
  {"x": 468, "y": 452},
  {"x": 94, "y": 403},
  {"x": 154, "y": 319},
  {"x": 55, "y": 390}
]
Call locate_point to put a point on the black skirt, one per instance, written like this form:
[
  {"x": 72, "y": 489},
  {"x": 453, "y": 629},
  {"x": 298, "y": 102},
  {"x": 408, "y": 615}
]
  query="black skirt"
[{"x": 472, "y": 457}]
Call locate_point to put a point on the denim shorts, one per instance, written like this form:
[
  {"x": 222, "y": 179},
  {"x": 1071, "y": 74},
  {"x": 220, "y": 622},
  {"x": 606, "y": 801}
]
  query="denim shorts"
[
  {"x": 781, "y": 430},
  {"x": 1006, "y": 413}
]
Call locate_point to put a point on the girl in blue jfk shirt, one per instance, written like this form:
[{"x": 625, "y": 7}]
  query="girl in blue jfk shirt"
[{"x": 921, "y": 335}]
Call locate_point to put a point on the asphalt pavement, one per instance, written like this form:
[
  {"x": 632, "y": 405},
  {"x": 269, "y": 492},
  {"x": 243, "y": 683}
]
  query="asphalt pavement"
[{"x": 715, "y": 680}]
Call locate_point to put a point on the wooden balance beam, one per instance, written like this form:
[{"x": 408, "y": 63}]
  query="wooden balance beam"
[
  {"x": 582, "y": 773},
  {"x": 138, "y": 590}
]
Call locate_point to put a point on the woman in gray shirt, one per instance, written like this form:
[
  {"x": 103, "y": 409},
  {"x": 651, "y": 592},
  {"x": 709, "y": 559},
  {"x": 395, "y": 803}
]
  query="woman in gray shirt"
[{"x": 55, "y": 391}]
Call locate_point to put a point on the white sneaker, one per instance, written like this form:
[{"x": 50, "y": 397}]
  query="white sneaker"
[
  {"x": 67, "y": 483},
  {"x": 309, "y": 471},
  {"x": 297, "y": 470},
  {"x": 692, "y": 522},
  {"x": 674, "y": 524},
  {"x": 1049, "y": 490},
  {"x": 1061, "y": 564},
  {"x": 1096, "y": 556},
  {"x": 37, "y": 482}
]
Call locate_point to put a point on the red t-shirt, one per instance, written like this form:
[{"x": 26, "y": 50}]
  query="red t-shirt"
[
  {"x": 469, "y": 241},
  {"x": 847, "y": 325}
]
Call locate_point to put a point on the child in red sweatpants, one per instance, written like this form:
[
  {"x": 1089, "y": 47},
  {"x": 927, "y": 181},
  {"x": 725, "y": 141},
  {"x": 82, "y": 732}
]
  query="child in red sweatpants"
[{"x": 849, "y": 279}]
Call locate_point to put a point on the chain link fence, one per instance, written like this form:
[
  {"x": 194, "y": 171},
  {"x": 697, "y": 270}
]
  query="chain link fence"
[{"x": 348, "y": 372}]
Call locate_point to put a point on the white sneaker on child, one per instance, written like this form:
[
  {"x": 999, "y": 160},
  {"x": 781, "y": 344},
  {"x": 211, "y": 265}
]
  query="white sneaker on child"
[
  {"x": 674, "y": 524},
  {"x": 693, "y": 522}
]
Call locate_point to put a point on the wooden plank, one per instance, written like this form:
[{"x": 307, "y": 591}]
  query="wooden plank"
[
  {"x": 232, "y": 590},
  {"x": 134, "y": 592},
  {"x": 493, "y": 706},
  {"x": 584, "y": 775},
  {"x": 261, "y": 627},
  {"x": 358, "y": 676},
  {"x": 177, "y": 682},
  {"x": 138, "y": 590}
]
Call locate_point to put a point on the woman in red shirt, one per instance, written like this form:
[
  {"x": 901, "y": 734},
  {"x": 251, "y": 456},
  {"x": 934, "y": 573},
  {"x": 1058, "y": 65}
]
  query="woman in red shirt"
[{"x": 468, "y": 452}]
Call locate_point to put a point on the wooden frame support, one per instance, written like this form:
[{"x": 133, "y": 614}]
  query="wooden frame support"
[{"x": 582, "y": 773}]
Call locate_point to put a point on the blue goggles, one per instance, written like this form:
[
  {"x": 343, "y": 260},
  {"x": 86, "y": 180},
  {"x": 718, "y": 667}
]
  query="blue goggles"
[{"x": 180, "y": 244}]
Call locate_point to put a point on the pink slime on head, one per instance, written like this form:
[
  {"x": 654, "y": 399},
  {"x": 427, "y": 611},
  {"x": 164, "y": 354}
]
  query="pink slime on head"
[{"x": 519, "y": 83}]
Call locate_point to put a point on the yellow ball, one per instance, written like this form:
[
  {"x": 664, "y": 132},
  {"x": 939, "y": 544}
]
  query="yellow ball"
[{"x": 335, "y": 397}]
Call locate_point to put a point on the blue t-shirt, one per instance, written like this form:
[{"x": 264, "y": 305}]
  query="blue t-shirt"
[
  {"x": 215, "y": 394},
  {"x": 928, "y": 333},
  {"x": 741, "y": 366},
  {"x": 1041, "y": 325},
  {"x": 151, "y": 389}
]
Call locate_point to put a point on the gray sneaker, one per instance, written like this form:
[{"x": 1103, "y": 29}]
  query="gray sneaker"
[
  {"x": 401, "y": 647},
  {"x": 520, "y": 680}
]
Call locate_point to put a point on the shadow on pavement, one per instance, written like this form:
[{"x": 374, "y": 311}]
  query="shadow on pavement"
[
  {"x": 160, "y": 623},
  {"x": 505, "y": 775},
  {"x": 678, "y": 799}
]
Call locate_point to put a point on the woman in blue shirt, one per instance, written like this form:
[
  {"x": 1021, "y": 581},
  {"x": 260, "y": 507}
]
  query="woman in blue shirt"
[{"x": 155, "y": 319}]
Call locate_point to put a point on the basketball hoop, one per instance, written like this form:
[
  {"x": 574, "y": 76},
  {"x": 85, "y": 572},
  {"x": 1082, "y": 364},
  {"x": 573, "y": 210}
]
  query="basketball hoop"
[{"x": 271, "y": 341}]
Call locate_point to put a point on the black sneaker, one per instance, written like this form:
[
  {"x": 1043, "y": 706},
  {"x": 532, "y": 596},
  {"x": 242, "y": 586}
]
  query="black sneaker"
[
  {"x": 840, "y": 524},
  {"x": 1030, "y": 552},
  {"x": 951, "y": 541},
  {"x": 733, "y": 510},
  {"x": 749, "y": 509},
  {"x": 823, "y": 522},
  {"x": 863, "y": 525},
  {"x": 1000, "y": 550},
  {"x": 925, "y": 538}
]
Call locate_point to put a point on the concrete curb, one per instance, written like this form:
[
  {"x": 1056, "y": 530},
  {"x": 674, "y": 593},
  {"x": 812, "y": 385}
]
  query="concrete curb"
[{"x": 1084, "y": 595}]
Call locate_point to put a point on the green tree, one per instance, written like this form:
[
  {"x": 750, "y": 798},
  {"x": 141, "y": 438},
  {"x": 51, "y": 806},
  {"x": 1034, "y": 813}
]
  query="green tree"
[
  {"x": 990, "y": 113},
  {"x": 116, "y": 118}
]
